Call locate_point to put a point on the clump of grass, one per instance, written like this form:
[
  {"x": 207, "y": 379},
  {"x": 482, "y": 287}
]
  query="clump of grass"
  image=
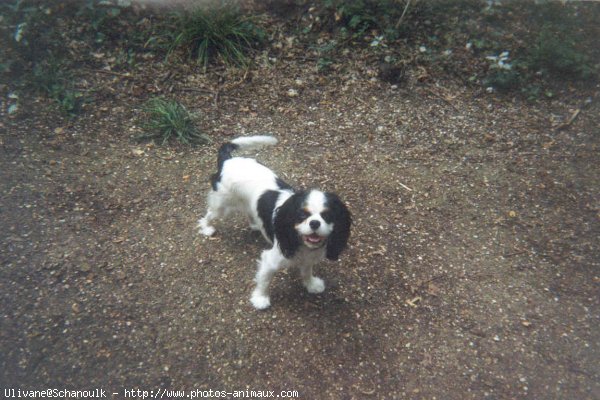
[
  {"x": 222, "y": 33},
  {"x": 168, "y": 119}
]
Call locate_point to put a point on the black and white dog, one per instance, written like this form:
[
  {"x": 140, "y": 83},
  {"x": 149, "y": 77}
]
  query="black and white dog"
[{"x": 303, "y": 226}]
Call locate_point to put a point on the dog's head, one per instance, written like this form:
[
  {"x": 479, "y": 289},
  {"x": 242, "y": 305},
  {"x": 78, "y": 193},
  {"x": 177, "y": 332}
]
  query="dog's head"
[{"x": 313, "y": 219}]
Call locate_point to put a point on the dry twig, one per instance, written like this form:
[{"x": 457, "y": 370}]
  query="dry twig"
[{"x": 403, "y": 14}]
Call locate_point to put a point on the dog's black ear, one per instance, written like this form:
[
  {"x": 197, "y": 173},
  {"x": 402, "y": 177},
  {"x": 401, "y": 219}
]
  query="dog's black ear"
[
  {"x": 285, "y": 225},
  {"x": 342, "y": 219}
]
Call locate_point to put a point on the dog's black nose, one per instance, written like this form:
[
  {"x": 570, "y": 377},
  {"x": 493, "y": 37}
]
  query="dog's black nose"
[{"x": 314, "y": 224}]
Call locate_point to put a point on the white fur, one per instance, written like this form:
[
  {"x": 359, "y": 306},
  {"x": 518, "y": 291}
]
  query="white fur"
[
  {"x": 315, "y": 205},
  {"x": 254, "y": 142}
]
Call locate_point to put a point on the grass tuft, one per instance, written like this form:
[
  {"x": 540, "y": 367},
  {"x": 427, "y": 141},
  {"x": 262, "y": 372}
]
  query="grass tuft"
[
  {"x": 168, "y": 119},
  {"x": 222, "y": 33}
]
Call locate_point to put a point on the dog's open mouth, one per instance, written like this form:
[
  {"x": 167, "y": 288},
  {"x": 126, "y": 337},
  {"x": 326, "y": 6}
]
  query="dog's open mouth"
[{"x": 313, "y": 239}]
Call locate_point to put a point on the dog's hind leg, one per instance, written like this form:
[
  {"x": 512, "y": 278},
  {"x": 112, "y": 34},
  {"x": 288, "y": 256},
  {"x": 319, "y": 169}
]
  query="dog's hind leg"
[
  {"x": 205, "y": 223},
  {"x": 254, "y": 225},
  {"x": 216, "y": 209}
]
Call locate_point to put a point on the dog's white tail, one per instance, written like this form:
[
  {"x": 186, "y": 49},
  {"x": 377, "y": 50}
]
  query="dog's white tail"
[
  {"x": 241, "y": 143},
  {"x": 254, "y": 142}
]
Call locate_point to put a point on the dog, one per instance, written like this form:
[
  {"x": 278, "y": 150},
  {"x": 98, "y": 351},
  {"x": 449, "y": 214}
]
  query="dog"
[{"x": 304, "y": 226}]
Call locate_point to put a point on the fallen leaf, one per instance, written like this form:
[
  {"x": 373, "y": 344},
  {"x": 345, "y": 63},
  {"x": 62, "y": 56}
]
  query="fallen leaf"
[
  {"x": 547, "y": 145},
  {"x": 432, "y": 289}
]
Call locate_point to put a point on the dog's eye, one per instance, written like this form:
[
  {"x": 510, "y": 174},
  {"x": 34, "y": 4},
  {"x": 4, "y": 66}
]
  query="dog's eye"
[
  {"x": 302, "y": 215},
  {"x": 327, "y": 215}
]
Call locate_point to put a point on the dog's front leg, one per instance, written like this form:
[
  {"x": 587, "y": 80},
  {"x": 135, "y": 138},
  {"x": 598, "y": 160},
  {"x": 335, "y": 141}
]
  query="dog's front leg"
[
  {"x": 270, "y": 261},
  {"x": 312, "y": 283}
]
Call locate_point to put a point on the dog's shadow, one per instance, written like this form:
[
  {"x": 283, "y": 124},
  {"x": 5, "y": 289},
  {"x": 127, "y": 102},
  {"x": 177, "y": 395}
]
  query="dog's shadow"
[
  {"x": 291, "y": 295},
  {"x": 328, "y": 320}
]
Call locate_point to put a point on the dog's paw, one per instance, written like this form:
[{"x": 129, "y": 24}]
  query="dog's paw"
[
  {"x": 259, "y": 301},
  {"x": 208, "y": 230},
  {"x": 205, "y": 229},
  {"x": 315, "y": 285}
]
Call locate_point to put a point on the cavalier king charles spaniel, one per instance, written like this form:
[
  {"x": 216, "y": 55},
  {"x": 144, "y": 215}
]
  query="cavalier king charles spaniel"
[{"x": 304, "y": 227}]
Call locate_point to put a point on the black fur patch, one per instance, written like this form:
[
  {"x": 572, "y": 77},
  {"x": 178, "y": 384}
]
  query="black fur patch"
[
  {"x": 285, "y": 220},
  {"x": 339, "y": 214},
  {"x": 282, "y": 185},
  {"x": 214, "y": 179},
  {"x": 224, "y": 154},
  {"x": 265, "y": 207}
]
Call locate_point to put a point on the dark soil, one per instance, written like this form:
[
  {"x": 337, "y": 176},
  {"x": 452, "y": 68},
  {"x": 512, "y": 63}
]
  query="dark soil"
[{"x": 473, "y": 266}]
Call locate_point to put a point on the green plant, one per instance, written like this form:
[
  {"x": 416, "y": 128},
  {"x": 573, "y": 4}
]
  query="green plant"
[
  {"x": 98, "y": 15},
  {"x": 125, "y": 58},
  {"x": 28, "y": 32},
  {"x": 168, "y": 119},
  {"x": 503, "y": 80},
  {"x": 556, "y": 51},
  {"x": 104, "y": 21},
  {"x": 52, "y": 79},
  {"x": 326, "y": 54},
  {"x": 535, "y": 92},
  {"x": 502, "y": 74},
  {"x": 357, "y": 17},
  {"x": 222, "y": 32},
  {"x": 324, "y": 64},
  {"x": 35, "y": 55}
]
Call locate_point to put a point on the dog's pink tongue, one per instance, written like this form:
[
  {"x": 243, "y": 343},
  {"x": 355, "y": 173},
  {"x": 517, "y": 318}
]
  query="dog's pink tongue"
[{"x": 314, "y": 238}]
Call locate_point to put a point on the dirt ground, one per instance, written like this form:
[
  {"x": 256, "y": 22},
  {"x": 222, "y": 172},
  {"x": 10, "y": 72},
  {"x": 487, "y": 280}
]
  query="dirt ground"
[{"x": 473, "y": 266}]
